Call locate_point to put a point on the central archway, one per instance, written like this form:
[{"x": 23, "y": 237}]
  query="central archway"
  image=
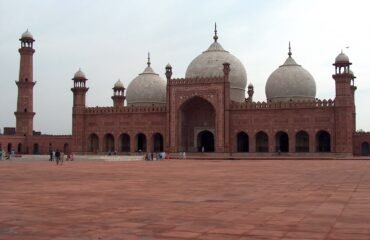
[
  {"x": 205, "y": 141},
  {"x": 196, "y": 125}
]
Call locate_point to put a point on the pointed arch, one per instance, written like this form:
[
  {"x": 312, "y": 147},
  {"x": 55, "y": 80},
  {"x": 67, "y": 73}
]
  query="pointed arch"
[
  {"x": 93, "y": 143},
  {"x": 205, "y": 141},
  {"x": 365, "y": 149},
  {"x": 124, "y": 142},
  {"x": 36, "y": 148},
  {"x": 196, "y": 115},
  {"x": 302, "y": 142},
  {"x": 323, "y": 143},
  {"x": 242, "y": 142},
  {"x": 19, "y": 149},
  {"x": 10, "y": 147},
  {"x": 262, "y": 142},
  {"x": 141, "y": 142},
  {"x": 157, "y": 140},
  {"x": 66, "y": 148},
  {"x": 282, "y": 141},
  {"x": 108, "y": 143}
]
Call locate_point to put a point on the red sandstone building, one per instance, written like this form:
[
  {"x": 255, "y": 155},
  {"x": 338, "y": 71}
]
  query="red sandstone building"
[{"x": 205, "y": 111}]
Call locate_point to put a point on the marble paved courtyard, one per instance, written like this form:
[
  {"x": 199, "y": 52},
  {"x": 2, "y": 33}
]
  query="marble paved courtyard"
[{"x": 185, "y": 199}]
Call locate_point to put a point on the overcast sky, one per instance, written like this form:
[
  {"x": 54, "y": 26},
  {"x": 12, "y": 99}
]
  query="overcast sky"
[{"x": 109, "y": 40}]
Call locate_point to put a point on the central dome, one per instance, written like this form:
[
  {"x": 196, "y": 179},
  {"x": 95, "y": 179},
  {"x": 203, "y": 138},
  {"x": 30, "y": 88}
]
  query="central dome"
[{"x": 210, "y": 64}]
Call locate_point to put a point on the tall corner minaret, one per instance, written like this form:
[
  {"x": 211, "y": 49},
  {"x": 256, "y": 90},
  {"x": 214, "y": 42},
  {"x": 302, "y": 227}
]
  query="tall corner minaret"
[
  {"x": 344, "y": 105},
  {"x": 118, "y": 94},
  {"x": 79, "y": 104},
  {"x": 24, "y": 114}
]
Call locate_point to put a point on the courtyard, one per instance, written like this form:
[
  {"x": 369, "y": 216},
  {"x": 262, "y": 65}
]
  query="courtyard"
[{"x": 185, "y": 199}]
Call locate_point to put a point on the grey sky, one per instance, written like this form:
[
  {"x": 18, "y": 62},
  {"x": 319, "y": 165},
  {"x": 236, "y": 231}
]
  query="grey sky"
[{"x": 110, "y": 40}]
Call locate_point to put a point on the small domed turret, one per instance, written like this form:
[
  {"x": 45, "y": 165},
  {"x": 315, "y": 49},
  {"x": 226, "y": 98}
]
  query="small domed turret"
[
  {"x": 118, "y": 85},
  {"x": 342, "y": 58},
  {"x": 27, "y": 35},
  {"x": 79, "y": 74}
]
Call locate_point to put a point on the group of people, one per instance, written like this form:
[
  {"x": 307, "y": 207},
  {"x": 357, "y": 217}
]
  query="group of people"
[
  {"x": 5, "y": 155},
  {"x": 58, "y": 156},
  {"x": 155, "y": 156},
  {"x": 182, "y": 155}
]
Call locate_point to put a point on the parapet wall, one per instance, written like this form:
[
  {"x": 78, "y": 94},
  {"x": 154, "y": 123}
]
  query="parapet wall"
[
  {"x": 283, "y": 105},
  {"x": 135, "y": 109},
  {"x": 196, "y": 80}
]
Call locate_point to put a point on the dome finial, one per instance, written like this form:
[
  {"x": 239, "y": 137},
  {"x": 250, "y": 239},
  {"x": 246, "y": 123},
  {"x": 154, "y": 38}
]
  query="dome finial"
[
  {"x": 290, "y": 50},
  {"x": 148, "y": 59},
  {"x": 215, "y": 37}
]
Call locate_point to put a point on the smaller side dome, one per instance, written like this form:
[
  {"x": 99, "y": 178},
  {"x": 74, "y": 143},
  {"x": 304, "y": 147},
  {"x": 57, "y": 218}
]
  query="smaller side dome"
[
  {"x": 290, "y": 82},
  {"x": 147, "y": 89},
  {"x": 27, "y": 35},
  {"x": 79, "y": 75},
  {"x": 118, "y": 85},
  {"x": 342, "y": 58}
]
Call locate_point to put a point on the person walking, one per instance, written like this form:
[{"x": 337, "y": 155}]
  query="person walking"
[{"x": 57, "y": 156}]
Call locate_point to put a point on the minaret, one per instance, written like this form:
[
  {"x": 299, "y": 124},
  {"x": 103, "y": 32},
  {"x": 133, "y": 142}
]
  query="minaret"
[
  {"x": 118, "y": 94},
  {"x": 24, "y": 114},
  {"x": 79, "y": 104},
  {"x": 344, "y": 104},
  {"x": 168, "y": 73}
]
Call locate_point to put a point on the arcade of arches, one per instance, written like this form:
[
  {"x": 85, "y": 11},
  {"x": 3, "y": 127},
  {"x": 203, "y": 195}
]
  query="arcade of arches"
[
  {"x": 124, "y": 144},
  {"x": 282, "y": 142}
]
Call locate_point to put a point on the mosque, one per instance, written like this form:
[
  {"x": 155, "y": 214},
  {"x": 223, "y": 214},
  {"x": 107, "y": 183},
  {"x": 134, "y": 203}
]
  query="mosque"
[{"x": 207, "y": 111}]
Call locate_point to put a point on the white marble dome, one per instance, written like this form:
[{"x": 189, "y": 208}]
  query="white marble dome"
[
  {"x": 290, "y": 82},
  {"x": 27, "y": 34},
  {"x": 342, "y": 58},
  {"x": 210, "y": 64},
  {"x": 79, "y": 74},
  {"x": 147, "y": 89}
]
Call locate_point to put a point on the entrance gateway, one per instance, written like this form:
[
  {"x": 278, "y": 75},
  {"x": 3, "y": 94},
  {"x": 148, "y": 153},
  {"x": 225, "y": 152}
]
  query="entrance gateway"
[{"x": 197, "y": 126}]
